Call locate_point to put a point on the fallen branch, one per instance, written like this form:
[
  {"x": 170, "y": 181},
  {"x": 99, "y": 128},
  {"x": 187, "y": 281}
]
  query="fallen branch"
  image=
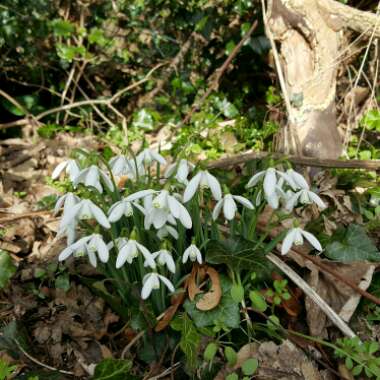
[
  {"x": 32, "y": 214},
  {"x": 312, "y": 294},
  {"x": 219, "y": 73},
  {"x": 305, "y": 161}
]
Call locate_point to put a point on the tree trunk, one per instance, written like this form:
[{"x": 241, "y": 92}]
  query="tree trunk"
[{"x": 307, "y": 32}]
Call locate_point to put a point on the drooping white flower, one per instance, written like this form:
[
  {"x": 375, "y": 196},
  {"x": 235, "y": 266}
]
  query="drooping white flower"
[
  {"x": 272, "y": 185},
  {"x": 119, "y": 209},
  {"x": 305, "y": 197},
  {"x": 67, "y": 200},
  {"x": 147, "y": 156},
  {"x": 121, "y": 165},
  {"x": 71, "y": 168},
  {"x": 296, "y": 180},
  {"x": 167, "y": 230},
  {"x": 151, "y": 281},
  {"x": 192, "y": 253},
  {"x": 90, "y": 246},
  {"x": 83, "y": 210},
  {"x": 202, "y": 179},
  {"x": 182, "y": 170},
  {"x": 295, "y": 236},
  {"x": 229, "y": 206},
  {"x": 130, "y": 250},
  {"x": 163, "y": 202},
  {"x": 92, "y": 176},
  {"x": 164, "y": 258}
]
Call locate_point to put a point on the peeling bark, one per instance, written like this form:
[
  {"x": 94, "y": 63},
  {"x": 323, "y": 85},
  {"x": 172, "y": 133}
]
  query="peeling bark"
[{"x": 307, "y": 32}]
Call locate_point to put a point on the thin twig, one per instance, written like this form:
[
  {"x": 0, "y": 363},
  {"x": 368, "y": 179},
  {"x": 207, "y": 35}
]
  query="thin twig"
[
  {"x": 32, "y": 214},
  {"x": 36, "y": 361},
  {"x": 219, "y": 73},
  {"x": 312, "y": 294},
  {"x": 306, "y": 161},
  {"x": 131, "y": 343}
]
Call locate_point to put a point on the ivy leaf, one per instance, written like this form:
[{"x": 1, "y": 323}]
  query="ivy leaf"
[
  {"x": 237, "y": 253},
  {"x": 7, "y": 268},
  {"x": 226, "y": 313},
  {"x": 356, "y": 246},
  {"x": 190, "y": 338},
  {"x": 113, "y": 369}
]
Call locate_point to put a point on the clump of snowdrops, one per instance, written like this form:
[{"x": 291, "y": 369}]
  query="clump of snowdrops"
[{"x": 144, "y": 223}]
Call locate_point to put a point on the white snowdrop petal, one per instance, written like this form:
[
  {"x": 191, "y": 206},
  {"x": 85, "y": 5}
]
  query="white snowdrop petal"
[
  {"x": 291, "y": 203},
  {"x": 59, "y": 203},
  {"x": 167, "y": 282},
  {"x": 92, "y": 258},
  {"x": 244, "y": 201},
  {"x": 99, "y": 216},
  {"x": 170, "y": 170},
  {"x": 102, "y": 250},
  {"x": 58, "y": 170},
  {"x": 229, "y": 207},
  {"x": 139, "y": 195},
  {"x": 270, "y": 182},
  {"x": 317, "y": 200},
  {"x": 172, "y": 231},
  {"x": 116, "y": 212},
  {"x": 255, "y": 179},
  {"x": 192, "y": 187},
  {"x": 186, "y": 254},
  {"x": 312, "y": 240},
  {"x": 288, "y": 242},
  {"x": 158, "y": 157},
  {"x": 67, "y": 252},
  {"x": 147, "y": 288},
  {"x": 70, "y": 215},
  {"x": 123, "y": 255},
  {"x": 214, "y": 184},
  {"x": 217, "y": 209},
  {"x": 300, "y": 180},
  {"x": 174, "y": 206},
  {"x": 107, "y": 181}
]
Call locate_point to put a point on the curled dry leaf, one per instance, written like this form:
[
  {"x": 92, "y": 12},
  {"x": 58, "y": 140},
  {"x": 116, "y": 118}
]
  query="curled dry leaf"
[
  {"x": 212, "y": 298},
  {"x": 170, "y": 311}
]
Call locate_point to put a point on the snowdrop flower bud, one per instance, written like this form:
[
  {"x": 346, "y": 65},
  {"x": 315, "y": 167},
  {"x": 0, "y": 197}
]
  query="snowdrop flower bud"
[
  {"x": 192, "y": 253},
  {"x": 67, "y": 200},
  {"x": 295, "y": 236},
  {"x": 85, "y": 209},
  {"x": 130, "y": 250},
  {"x": 91, "y": 177},
  {"x": 229, "y": 206},
  {"x": 151, "y": 281},
  {"x": 147, "y": 156},
  {"x": 183, "y": 167},
  {"x": 90, "y": 246},
  {"x": 164, "y": 258},
  {"x": 71, "y": 168},
  {"x": 203, "y": 179},
  {"x": 119, "y": 209},
  {"x": 305, "y": 197}
]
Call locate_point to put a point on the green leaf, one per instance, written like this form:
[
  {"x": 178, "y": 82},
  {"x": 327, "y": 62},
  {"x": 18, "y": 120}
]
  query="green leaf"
[
  {"x": 258, "y": 301},
  {"x": 232, "y": 376},
  {"x": 372, "y": 120},
  {"x": 62, "y": 28},
  {"x": 356, "y": 246},
  {"x": 237, "y": 293},
  {"x": 249, "y": 367},
  {"x": 349, "y": 363},
  {"x": 113, "y": 369},
  {"x": 237, "y": 253},
  {"x": 231, "y": 356},
  {"x": 190, "y": 338},
  {"x": 226, "y": 313},
  {"x": 357, "y": 370},
  {"x": 210, "y": 351},
  {"x": 7, "y": 268},
  {"x": 63, "y": 282}
]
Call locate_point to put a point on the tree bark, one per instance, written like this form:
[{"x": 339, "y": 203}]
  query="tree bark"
[{"x": 308, "y": 32}]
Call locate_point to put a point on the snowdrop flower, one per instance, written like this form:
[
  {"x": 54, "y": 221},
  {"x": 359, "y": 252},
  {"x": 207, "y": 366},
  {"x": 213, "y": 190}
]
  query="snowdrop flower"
[
  {"x": 69, "y": 231},
  {"x": 71, "y": 168},
  {"x": 305, "y": 197},
  {"x": 167, "y": 230},
  {"x": 193, "y": 253},
  {"x": 164, "y": 203},
  {"x": 203, "y": 180},
  {"x": 130, "y": 250},
  {"x": 182, "y": 169},
  {"x": 119, "y": 209},
  {"x": 152, "y": 281},
  {"x": 139, "y": 195},
  {"x": 164, "y": 258},
  {"x": 89, "y": 245},
  {"x": 295, "y": 236},
  {"x": 121, "y": 165},
  {"x": 147, "y": 156},
  {"x": 229, "y": 206},
  {"x": 296, "y": 180},
  {"x": 85, "y": 209},
  {"x": 67, "y": 200},
  {"x": 91, "y": 177}
]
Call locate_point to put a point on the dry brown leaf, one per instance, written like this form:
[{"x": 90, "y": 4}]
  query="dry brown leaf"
[
  {"x": 212, "y": 298},
  {"x": 170, "y": 312}
]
